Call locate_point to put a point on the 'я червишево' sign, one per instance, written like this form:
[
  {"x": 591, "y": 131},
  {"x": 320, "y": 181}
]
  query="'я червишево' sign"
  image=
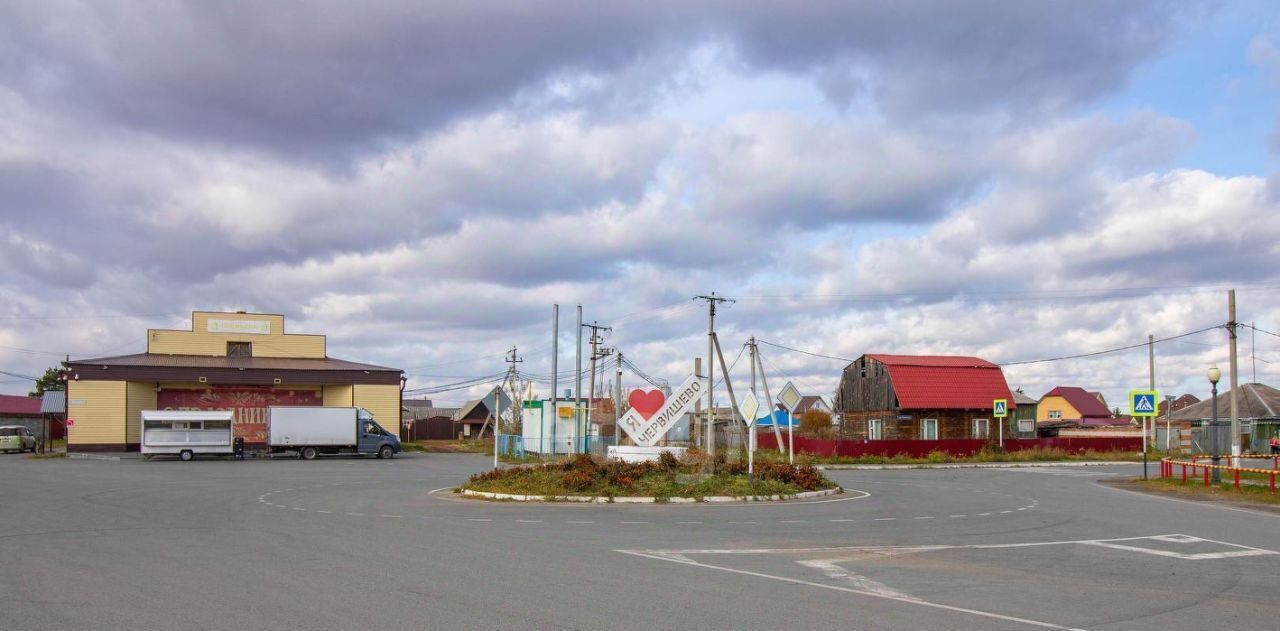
[{"x": 653, "y": 414}]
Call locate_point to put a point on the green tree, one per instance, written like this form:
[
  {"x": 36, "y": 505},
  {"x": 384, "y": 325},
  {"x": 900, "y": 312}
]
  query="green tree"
[{"x": 50, "y": 381}]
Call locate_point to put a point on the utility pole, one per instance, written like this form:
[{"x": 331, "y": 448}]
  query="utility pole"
[
  {"x": 596, "y": 353},
  {"x": 712, "y": 301},
  {"x": 577, "y": 384},
  {"x": 555, "y": 385},
  {"x": 764, "y": 380},
  {"x": 1151, "y": 385},
  {"x": 695, "y": 430},
  {"x": 512, "y": 359},
  {"x": 617, "y": 399},
  {"x": 751, "y": 438},
  {"x": 1235, "y": 379}
]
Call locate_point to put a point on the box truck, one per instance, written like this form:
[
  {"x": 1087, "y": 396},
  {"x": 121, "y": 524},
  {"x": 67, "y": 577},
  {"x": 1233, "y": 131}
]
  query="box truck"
[
  {"x": 187, "y": 433},
  {"x": 311, "y": 431}
]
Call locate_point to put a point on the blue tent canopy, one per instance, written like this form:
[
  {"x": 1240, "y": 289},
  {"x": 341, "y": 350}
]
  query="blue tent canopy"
[{"x": 781, "y": 417}]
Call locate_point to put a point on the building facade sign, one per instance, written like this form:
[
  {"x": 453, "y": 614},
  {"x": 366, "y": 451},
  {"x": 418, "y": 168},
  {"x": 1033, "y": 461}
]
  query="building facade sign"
[
  {"x": 250, "y": 405},
  {"x": 249, "y": 327},
  {"x": 653, "y": 414}
]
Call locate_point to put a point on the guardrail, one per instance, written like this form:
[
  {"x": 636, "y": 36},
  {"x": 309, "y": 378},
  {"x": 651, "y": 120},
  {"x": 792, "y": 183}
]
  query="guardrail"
[{"x": 1197, "y": 467}]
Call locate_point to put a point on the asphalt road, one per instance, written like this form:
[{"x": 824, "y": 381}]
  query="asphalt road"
[{"x": 345, "y": 544}]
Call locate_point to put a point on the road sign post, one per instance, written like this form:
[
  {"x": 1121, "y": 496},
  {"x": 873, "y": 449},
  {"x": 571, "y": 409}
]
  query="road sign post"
[
  {"x": 750, "y": 407},
  {"x": 1144, "y": 404},
  {"x": 790, "y": 399},
  {"x": 1000, "y": 410}
]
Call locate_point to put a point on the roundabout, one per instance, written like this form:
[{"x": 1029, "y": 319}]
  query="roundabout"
[{"x": 267, "y": 543}]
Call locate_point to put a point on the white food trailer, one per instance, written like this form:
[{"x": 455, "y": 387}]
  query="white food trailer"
[{"x": 187, "y": 432}]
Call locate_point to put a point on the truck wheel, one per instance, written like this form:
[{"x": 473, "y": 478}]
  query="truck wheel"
[
  {"x": 308, "y": 453},
  {"x": 386, "y": 452},
  {"x": 185, "y": 455}
]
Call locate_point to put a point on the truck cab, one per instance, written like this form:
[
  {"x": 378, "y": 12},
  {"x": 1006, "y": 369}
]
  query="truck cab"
[{"x": 373, "y": 438}]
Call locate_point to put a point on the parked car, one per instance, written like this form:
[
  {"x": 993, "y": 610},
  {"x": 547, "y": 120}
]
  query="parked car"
[{"x": 16, "y": 438}]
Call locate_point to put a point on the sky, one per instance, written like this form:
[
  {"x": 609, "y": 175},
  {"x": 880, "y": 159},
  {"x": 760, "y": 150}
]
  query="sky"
[{"x": 421, "y": 182}]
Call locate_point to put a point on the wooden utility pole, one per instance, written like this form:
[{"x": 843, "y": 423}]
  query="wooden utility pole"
[
  {"x": 555, "y": 385},
  {"x": 596, "y": 353},
  {"x": 712, "y": 301},
  {"x": 577, "y": 384},
  {"x": 1235, "y": 378}
]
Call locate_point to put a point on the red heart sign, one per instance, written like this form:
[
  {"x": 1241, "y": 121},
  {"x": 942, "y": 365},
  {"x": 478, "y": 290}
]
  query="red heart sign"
[{"x": 646, "y": 402}]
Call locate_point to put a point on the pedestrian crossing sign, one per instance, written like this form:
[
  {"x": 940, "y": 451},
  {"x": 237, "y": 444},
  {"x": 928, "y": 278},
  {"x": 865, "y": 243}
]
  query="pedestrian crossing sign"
[
  {"x": 1001, "y": 408},
  {"x": 1144, "y": 403}
]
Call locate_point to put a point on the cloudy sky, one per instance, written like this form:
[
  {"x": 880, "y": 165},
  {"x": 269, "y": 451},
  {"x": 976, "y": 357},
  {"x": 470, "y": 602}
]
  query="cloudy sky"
[{"x": 422, "y": 181}]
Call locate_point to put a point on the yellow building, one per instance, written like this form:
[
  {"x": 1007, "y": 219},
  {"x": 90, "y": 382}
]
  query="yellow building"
[
  {"x": 228, "y": 361},
  {"x": 1070, "y": 403}
]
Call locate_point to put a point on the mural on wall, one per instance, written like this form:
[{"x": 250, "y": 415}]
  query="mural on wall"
[{"x": 250, "y": 405}]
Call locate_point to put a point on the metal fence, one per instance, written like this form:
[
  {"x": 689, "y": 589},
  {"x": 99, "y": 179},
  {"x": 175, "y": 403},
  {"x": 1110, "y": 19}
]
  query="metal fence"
[{"x": 520, "y": 447}]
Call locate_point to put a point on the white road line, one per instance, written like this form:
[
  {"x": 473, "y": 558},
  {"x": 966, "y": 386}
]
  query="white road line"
[
  {"x": 478, "y": 519},
  {"x": 984, "y": 514},
  {"x": 909, "y": 600},
  {"x": 886, "y": 519},
  {"x": 957, "y": 516},
  {"x": 528, "y": 521},
  {"x": 633, "y": 522},
  {"x": 355, "y": 514},
  {"x": 325, "y": 512},
  {"x": 841, "y": 520},
  {"x": 926, "y": 517},
  {"x": 793, "y": 521},
  {"x": 686, "y": 523},
  {"x": 392, "y": 516},
  {"x": 833, "y": 570},
  {"x": 743, "y": 522},
  {"x": 580, "y": 522}
]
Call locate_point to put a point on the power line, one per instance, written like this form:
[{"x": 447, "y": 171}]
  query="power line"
[
  {"x": 788, "y": 348},
  {"x": 1110, "y": 350},
  {"x": 1050, "y": 294},
  {"x": 14, "y": 374}
]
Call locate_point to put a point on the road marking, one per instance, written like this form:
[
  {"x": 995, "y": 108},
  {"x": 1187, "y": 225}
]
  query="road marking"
[
  {"x": 392, "y": 516},
  {"x": 984, "y": 514},
  {"x": 957, "y": 515},
  {"x": 793, "y": 521},
  {"x": 356, "y": 514},
  {"x": 886, "y": 519},
  {"x": 841, "y": 520},
  {"x": 743, "y": 522},
  {"x": 686, "y": 523},
  {"x": 675, "y": 558},
  {"x": 325, "y": 512},
  {"x": 832, "y": 570},
  {"x": 478, "y": 519},
  {"x": 297, "y": 508},
  {"x": 633, "y": 522},
  {"x": 528, "y": 521},
  {"x": 928, "y": 517},
  {"x": 581, "y": 522}
]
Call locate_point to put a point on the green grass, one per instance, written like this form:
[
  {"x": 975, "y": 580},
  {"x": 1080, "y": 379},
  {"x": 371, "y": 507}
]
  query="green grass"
[
  {"x": 986, "y": 455},
  {"x": 1195, "y": 488},
  {"x": 449, "y": 446},
  {"x": 669, "y": 478}
]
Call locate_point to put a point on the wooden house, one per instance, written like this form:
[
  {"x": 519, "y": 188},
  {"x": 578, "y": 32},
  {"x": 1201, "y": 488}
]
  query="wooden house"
[{"x": 895, "y": 397}]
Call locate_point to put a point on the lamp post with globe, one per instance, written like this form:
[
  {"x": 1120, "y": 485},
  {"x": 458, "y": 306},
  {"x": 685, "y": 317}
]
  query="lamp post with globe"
[{"x": 1214, "y": 375}]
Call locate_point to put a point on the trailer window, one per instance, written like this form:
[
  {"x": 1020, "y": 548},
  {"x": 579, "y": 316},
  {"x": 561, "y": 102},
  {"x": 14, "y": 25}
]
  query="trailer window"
[
  {"x": 8, "y": 431},
  {"x": 217, "y": 424}
]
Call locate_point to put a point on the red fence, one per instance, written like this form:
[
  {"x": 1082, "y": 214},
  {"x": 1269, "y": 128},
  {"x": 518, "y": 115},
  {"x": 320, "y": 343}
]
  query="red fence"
[{"x": 956, "y": 447}]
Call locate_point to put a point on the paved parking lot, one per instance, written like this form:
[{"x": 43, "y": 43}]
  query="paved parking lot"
[{"x": 346, "y": 543}]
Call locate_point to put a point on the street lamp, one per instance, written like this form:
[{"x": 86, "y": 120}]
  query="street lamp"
[{"x": 1214, "y": 375}]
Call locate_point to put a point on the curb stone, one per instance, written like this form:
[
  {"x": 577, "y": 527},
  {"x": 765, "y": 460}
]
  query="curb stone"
[
  {"x": 969, "y": 465},
  {"x": 591, "y": 499}
]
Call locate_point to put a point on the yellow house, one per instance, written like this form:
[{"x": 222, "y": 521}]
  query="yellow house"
[
  {"x": 227, "y": 361},
  {"x": 1070, "y": 403}
]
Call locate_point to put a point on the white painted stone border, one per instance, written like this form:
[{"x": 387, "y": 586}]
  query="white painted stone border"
[{"x": 591, "y": 499}]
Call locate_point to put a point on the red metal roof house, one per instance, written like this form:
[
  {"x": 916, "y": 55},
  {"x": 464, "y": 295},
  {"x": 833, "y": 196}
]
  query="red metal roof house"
[{"x": 920, "y": 396}]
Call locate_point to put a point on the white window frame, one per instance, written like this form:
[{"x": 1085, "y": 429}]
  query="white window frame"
[
  {"x": 875, "y": 429},
  {"x": 983, "y": 423},
  {"x": 1026, "y": 426},
  {"x": 1055, "y": 414},
  {"x": 924, "y": 428}
]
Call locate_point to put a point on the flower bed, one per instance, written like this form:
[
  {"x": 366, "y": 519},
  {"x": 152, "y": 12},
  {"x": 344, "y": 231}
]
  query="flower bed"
[{"x": 694, "y": 476}]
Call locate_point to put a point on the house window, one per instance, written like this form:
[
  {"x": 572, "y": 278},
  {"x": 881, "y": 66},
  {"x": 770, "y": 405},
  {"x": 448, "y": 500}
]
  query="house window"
[
  {"x": 981, "y": 428},
  {"x": 1026, "y": 426},
  {"x": 929, "y": 429},
  {"x": 1053, "y": 414},
  {"x": 239, "y": 349},
  {"x": 875, "y": 429}
]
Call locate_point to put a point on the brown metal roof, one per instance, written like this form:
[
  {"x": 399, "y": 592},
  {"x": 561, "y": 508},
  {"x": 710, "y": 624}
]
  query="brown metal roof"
[
  {"x": 1256, "y": 401},
  {"x": 149, "y": 360}
]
